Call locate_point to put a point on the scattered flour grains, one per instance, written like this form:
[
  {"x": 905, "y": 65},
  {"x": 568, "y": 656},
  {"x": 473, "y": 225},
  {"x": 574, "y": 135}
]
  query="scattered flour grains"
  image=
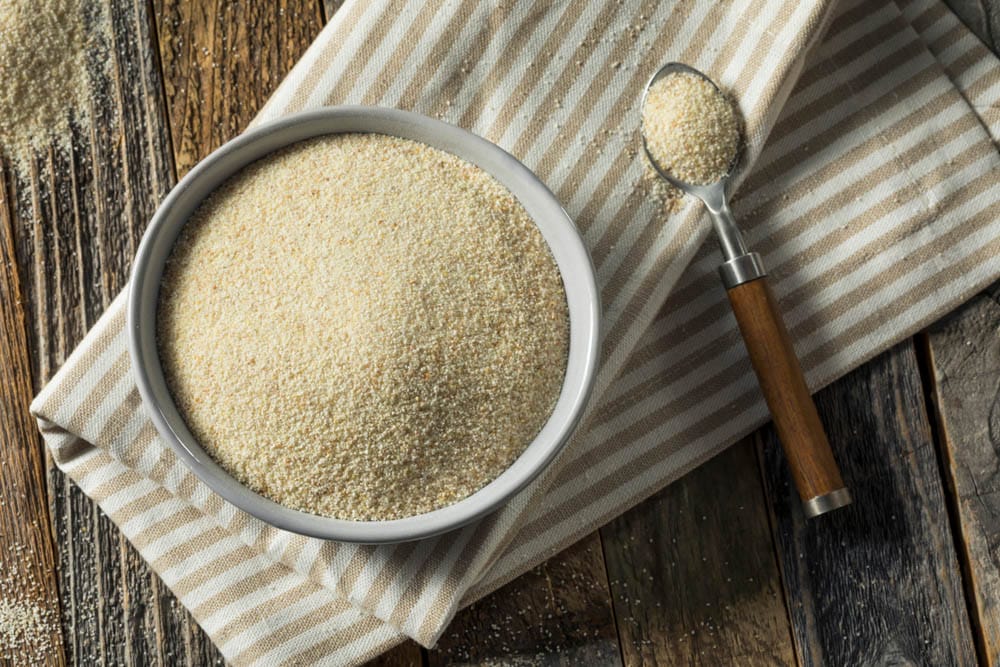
[
  {"x": 691, "y": 129},
  {"x": 44, "y": 50},
  {"x": 363, "y": 327}
]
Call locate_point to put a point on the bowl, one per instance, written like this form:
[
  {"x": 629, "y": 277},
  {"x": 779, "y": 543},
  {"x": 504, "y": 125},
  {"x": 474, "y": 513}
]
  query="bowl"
[{"x": 558, "y": 230}]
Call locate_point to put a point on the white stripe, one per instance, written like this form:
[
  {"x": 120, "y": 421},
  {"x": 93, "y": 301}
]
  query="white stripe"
[
  {"x": 257, "y": 597},
  {"x": 412, "y": 65},
  {"x": 222, "y": 550},
  {"x": 285, "y": 651},
  {"x": 270, "y": 626},
  {"x": 89, "y": 380},
  {"x": 334, "y": 69}
]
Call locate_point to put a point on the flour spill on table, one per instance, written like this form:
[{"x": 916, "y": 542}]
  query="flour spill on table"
[
  {"x": 27, "y": 626},
  {"x": 47, "y": 50},
  {"x": 363, "y": 327}
]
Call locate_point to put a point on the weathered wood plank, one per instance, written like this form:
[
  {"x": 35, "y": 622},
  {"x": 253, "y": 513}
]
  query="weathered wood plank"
[
  {"x": 76, "y": 219},
  {"x": 27, "y": 546},
  {"x": 693, "y": 573},
  {"x": 557, "y": 614},
  {"x": 407, "y": 654},
  {"x": 877, "y": 582},
  {"x": 964, "y": 355},
  {"x": 221, "y": 61}
]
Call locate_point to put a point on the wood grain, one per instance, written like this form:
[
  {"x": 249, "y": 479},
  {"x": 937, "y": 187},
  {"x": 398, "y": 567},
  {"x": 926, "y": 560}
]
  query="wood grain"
[
  {"x": 964, "y": 355},
  {"x": 693, "y": 573},
  {"x": 876, "y": 583},
  {"x": 222, "y": 60},
  {"x": 27, "y": 546},
  {"x": 557, "y": 614},
  {"x": 784, "y": 387},
  {"x": 76, "y": 219},
  {"x": 407, "y": 654}
]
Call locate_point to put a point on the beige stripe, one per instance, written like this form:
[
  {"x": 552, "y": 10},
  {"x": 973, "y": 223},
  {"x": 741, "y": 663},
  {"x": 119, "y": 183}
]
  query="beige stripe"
[
  {"x": 329, "y": 52},
  {"x": 136, "y": 505},
  {"x": 113, "y": 429},
  {"x": 418, "y": 24},
  {"x": 931, "y": 15},
  {"x": 436, "y": 55},
  {"x": 209, "y": 570},
  {"x": 530, "y": 21},
  {"x": 519, "y": 93},
  {"x": 183, "y": 551},
  {"x": 90, "y": 351},
  {"x": 315, "y": 653},
  {"x": 388, "y": 575},
  {"x": 254, "y": 614},
  {"x": 968, "y": 60},
  {"x": 294, "y": 549},
  {"x": 258, "y": 650},
  {"x": 79, "y": 469},
  {"x": 323, "y": 561},
  {"x": 239, "y": 588},
  {"x": 88, "y": 406},
  {"x": 411, "y": 595},
  {"x": 348, "y": 578},
  {"x": 948, "y": 38},
  {"x": 164, "y": 525}
]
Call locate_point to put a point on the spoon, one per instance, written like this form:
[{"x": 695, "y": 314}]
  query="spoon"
[{"x": 779, "y": 373}]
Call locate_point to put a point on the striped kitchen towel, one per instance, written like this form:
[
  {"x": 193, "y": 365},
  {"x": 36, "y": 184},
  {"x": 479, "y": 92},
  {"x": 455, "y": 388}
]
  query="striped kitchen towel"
[{"x": 869, "y": 185}]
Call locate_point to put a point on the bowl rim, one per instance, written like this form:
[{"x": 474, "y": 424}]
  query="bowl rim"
[{"x": 584, "y": 315}]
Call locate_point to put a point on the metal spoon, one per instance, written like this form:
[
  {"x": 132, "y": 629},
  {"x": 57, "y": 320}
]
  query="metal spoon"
[{"x": 779, "y": 373}]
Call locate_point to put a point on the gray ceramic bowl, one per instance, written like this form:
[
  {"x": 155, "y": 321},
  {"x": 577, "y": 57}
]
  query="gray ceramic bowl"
[{"x": 560, "y": 233}]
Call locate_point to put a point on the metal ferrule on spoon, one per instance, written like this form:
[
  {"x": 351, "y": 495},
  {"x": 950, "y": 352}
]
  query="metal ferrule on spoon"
[{"x": 772, "y": 355}]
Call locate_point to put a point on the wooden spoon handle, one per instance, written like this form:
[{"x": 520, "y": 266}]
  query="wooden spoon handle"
[{"x": 803, "y": 439}]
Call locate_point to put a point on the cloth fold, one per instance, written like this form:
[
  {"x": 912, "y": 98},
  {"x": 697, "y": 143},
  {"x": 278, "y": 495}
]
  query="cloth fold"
[{"x": 868, "y": 185}]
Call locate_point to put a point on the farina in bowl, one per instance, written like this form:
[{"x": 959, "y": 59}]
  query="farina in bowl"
[{"x": 389, "y": 376}]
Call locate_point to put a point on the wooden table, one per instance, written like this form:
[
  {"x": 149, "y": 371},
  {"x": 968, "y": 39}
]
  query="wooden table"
[{"x": 716, "y": 569}]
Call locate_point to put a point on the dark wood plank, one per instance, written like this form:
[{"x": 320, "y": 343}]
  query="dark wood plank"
[
  {"x": 964, "y": 358},
  {"x": 221, "y": 61},
  {"x": 557, "y": 614},
  {"x": 27, "y": 546},
  {"x": 77, "y": 219},
  {"x": 693, "y": 573},
  {"x": 875, "y": 583},
  {"x": 407, "y": 654}
]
